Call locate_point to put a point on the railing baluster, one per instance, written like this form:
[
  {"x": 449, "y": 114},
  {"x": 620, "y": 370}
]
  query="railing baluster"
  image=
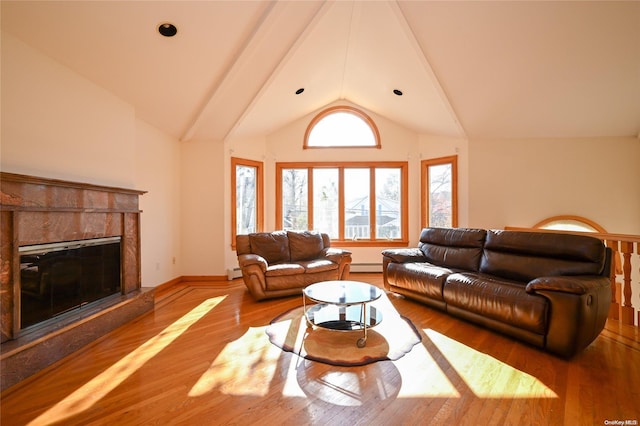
[
  {"x": 614, "y": 309},
  {"x": 627, "y": 311}
]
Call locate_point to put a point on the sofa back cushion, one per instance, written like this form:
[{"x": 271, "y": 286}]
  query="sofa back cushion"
[
  {"x": 523, "y": 256},
  {"x": 305, "y": 245},
  {"x": 458, "y": 248},
  {"x": 273, "y": 246}
]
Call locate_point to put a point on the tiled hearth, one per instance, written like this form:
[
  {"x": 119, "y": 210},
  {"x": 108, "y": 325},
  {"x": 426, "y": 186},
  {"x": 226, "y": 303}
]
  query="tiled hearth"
[{"x": 38, "y": 211}]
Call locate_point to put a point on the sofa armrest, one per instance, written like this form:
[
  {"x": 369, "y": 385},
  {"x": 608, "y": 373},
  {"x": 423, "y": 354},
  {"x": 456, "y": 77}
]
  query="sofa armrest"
[
  {"x": 341, "y": 257},
  {"x": 336, "y": 255},
  {"x": 253, "y": 269},
  {"x": 246, "y": 260},
  {"x": 578, "y": 310},
  {"x": 404, "y": 255},
  {"x": 579, "y": 284}
]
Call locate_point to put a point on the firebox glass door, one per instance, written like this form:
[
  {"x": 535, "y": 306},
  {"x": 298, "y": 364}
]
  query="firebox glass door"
[{"x": 53, "y": 282}]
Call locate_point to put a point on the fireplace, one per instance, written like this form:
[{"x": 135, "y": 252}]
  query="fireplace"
[
  {"x": 62, "y": 277},
  {"x": 69, "y": 269}
]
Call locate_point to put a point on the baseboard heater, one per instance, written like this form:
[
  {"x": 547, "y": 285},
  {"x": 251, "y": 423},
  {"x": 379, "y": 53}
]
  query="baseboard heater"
[
  {"x": 234, "y": 273},
  {"x": 355, "y": 267}
]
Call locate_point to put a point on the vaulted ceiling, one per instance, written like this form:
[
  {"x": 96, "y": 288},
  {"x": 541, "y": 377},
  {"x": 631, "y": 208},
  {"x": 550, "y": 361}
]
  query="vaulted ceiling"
[{"x": 475, "y": 69}]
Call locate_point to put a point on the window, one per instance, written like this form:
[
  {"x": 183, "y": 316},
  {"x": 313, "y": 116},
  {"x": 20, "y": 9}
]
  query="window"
[
  {"x": 358, "y": 203},
  {"x": 246, "y": 197},
  {"x": 440, "y": 192},
  {"x": 342, "y": 127},
  {"x": 570, "y": 223}
]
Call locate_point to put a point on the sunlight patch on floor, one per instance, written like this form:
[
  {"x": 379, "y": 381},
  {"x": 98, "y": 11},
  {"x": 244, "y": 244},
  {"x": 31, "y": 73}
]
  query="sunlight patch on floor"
[
  {"x": 424, "y": 382},
  {"x": 94, "y": 390},
  {"x": 244, "y": 367},
  {"x": 495, "y": 379}
]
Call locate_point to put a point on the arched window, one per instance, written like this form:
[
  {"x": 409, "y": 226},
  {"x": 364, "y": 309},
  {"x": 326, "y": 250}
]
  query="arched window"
[
  {"x": 342, "y": 127},
  {"x": 570, "y": 223}
]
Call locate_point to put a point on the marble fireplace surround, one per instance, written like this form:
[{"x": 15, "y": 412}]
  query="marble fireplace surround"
[{"x": 36, "y": 210}]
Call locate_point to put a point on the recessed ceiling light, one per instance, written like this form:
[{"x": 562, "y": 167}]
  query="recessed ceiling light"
[
  {"x": 167, "y": 29},
  {"x": 397, "y": 92},
  {"x": 300, "y": 90}
]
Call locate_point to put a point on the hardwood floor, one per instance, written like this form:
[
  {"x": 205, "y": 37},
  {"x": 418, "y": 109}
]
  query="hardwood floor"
[{"x": 202, "y": 357}]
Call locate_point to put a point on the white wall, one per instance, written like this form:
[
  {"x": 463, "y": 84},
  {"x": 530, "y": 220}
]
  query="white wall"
[
  {"x": 501, "y": 182},
  {"x": 204, "y": 208},
  {"x": 158, "y": 172},
  {"x": 521, "y": 182},
  {"x": 398, "y": 144},
  {"x": 57, "y": 124}
]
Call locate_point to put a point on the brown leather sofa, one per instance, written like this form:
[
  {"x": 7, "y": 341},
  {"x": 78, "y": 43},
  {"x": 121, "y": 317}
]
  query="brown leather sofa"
[
  {"x": 282, "y": 263},
  {"x": 551, "y": 290}
]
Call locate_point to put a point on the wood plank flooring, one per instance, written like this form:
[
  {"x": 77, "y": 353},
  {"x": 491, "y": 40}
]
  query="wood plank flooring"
[{"x": 202, "y": 358}]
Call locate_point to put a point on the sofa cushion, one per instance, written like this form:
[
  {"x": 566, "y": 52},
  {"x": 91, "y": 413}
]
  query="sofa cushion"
[
  {"x": 422, "y": 278},
  {"x": 305, "y": 245},
  {"x": 499, "y": 299},
  {"x": 273, "y": 246},
  {"x": 283, "y": 269},
  {"x": 318, "y": 265},
  {"x": 285, "y": 276},
  {"x": 523, "y": 256},
  {"x": 453, "y": 247}
]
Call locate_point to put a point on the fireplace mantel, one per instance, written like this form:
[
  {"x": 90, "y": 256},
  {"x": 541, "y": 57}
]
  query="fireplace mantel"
[{"x": 35, "y": 210}]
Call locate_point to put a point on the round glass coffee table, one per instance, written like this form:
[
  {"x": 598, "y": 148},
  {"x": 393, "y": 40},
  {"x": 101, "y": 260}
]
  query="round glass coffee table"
[{"x": 342, "y": 306}]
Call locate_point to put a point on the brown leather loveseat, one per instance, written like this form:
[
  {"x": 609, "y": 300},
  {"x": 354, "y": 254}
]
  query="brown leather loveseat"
[
  {"x": 551, "y": 290},
  {"x": 282, "y": 263}
]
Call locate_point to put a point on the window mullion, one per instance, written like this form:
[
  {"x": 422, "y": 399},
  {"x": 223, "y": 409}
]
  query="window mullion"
[
  {"x": 310, "y": 197},
  {"x": 279, "y": 198},
  {"x": 341, "y": 203},
  {"x": 404, "y": 190},
  {"x": 372, "y": 203}
]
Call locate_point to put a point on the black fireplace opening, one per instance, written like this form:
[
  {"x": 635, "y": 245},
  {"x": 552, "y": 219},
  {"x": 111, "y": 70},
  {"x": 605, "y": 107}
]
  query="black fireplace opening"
[{"x": 66, "y": 276}]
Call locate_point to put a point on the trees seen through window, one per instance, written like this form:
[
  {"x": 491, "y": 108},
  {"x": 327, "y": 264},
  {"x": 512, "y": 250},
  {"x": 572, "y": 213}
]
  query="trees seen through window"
[{"x": 356, "y": 202}]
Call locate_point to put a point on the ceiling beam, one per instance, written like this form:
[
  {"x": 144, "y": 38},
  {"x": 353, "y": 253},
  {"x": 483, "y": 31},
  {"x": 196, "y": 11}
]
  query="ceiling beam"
[
  {"x": 356, "y": 12},
  {"x": 240, "y": 59},
  {"x": 299, "y": 40}
]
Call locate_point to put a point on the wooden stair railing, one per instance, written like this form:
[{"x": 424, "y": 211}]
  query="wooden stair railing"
[{"x": 626, "y": 250}]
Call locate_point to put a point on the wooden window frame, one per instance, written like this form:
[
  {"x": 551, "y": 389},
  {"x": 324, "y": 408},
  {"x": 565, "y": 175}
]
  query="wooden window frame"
[
  {"x": 424, "y": 180},
  {"x": 259, "y": 166},
  {"x": 348, "y": 109},
  {"x": 341, "y": 166},
  {"x": 596, "y": 227}
]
